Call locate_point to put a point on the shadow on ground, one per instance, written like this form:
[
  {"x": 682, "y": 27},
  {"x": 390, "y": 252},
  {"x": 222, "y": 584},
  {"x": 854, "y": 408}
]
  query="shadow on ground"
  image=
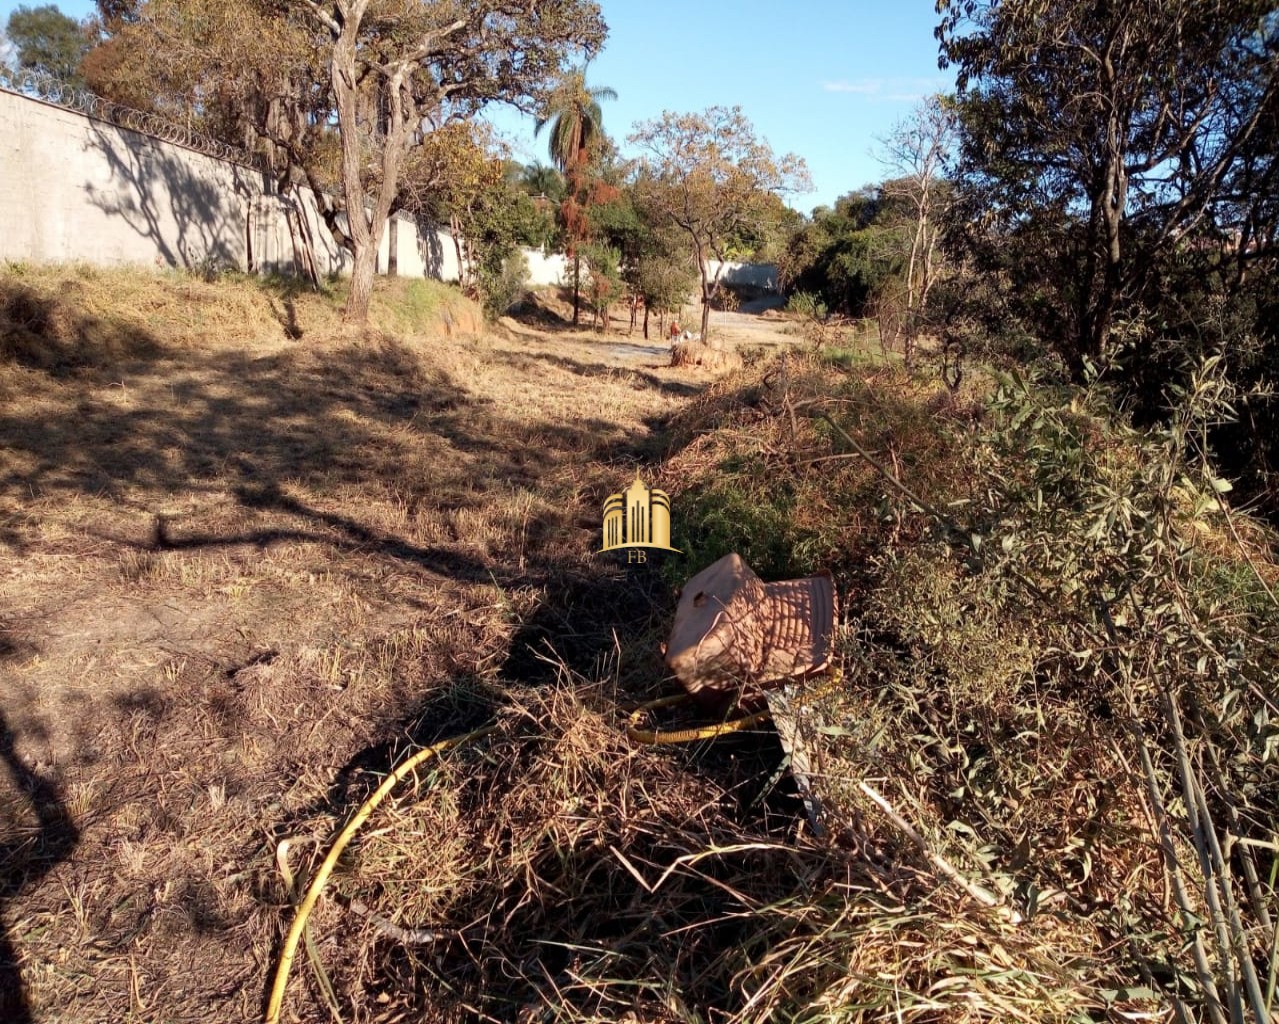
[
  {"x": 366, "y": 450},
  {"x": 28, "y": 851},
  {"x": 125, "y": 418},
  {"x": 639, "y": 377}
]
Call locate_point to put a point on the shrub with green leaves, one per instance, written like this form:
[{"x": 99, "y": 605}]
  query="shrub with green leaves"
[
  {"x": 1060, "y": 647},
  {"x": 503, "y": 283},
  {"x": 808, "y": 306}
]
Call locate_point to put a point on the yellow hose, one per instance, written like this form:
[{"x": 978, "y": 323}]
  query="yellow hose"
[
  {"x": 348, "y": 831},
  {"x": 340, "y": 843},
  {"x": 834, "y": 675},
  {"x": 706, "y": 732}
]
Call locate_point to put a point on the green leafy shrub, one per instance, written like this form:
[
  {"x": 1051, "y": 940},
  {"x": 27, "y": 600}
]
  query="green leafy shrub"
[
  {"x": 1060, "y": 647},
  {"x": 807, "y": 305},
  {"x": 503, "y": 284}
]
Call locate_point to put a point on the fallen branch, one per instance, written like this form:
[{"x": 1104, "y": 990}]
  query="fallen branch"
[
  {"x": 982, "y": 896},
  {"x": 404, "y": 936},
  {"x": 888, "y": 475}
]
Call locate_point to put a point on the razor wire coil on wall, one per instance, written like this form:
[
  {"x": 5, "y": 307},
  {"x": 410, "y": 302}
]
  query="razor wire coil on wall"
[{"x": 39, "y": 85}]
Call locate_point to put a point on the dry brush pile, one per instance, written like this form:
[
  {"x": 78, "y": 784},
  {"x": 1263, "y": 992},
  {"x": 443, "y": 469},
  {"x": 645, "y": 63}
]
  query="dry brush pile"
[{"x": 1059, "y": 647}]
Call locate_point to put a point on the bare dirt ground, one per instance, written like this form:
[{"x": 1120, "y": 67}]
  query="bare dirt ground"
[
  {"x": 247, "y": 557},
  {"x": 758, "y": 324}
]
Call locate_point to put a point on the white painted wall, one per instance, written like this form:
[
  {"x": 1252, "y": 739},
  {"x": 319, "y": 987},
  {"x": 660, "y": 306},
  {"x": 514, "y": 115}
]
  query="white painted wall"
[
  {"x": 756, "y": 275},
  {"x": 546, "y": 270},
  {"x": 429, "y": 253},
  {"x": 76, "y": 189}
]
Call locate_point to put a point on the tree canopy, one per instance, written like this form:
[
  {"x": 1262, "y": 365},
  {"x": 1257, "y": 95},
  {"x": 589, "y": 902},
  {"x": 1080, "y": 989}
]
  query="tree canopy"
[
  {"x": 49, "y": 41},
  {"x": 1097, "y": 136},
  {"x": 577, "y": 121},
  {"x": 710, "y": 177},
  {"x": 844, "y": 254}
]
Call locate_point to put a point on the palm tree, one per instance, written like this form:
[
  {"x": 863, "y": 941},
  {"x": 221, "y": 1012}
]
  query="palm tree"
[
  {"x": 573, "y": 111},
  {"x": 542, "y": 181},
  {"x": 577, "y": 123}
]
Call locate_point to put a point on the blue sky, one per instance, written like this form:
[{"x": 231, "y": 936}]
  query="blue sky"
[{"x": 821, "y": 78}]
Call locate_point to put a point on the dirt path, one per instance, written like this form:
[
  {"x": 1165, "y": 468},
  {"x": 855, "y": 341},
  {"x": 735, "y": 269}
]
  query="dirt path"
[
  {"x": 233, "y": 574},
  {"x": 758, "y": 324}
]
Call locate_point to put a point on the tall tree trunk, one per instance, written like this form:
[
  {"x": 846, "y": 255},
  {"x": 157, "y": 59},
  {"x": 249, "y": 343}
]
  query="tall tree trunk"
[
  {"x": 706, "y": 293},
  {"x": 393, "y": 247},
  {"x": 455, "y": 230},
  {"x": 362, "y": 273},
  {"x": 342, "y": 75},
  {"x": 646, "y": 321},
  {"x": 364, "y": 224},
  {"x": 577, "y": 288},
  {"x": 1106, "y": 218}
]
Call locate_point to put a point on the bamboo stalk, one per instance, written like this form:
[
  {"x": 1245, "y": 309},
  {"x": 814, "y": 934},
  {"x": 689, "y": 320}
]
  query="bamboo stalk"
[
  {"x": 1203, "y": 970},
  {"x": 1228, "y": 926},
  {"x": 1255, "y": 895}
]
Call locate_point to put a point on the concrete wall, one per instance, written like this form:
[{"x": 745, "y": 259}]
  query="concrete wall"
[
  {"x": 73, "y": 188},
  {"x": 422, "y": 253},
  {"x": 554, "y": 269},
  {"x": 546, "y": 270},
  {"x": 77, "y": 189},
  {"x": 754, "y": 275}
]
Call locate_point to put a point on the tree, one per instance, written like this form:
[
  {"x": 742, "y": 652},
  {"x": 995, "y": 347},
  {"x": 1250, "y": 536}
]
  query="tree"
[
  {"x": 424, "y": 59},
  {"x": 543, "y": 182},
  {"x": 708, "y": 176},
  {"x": 49, "y": 41},
  {"x": 917, "y": 152},
  {"x": 114, "y": 13},
  {"x": 576, "y": 120},
  {"x": 1097, "y": 136},
  {"x": 604, "y": 285},
  {"x": 849, "y": 255},
  {"x": 661, "y": 273},
  {"x": 577, "y": 131},
  {"x": 461, "y": 176},
  {"x": 340, "y": 93}
]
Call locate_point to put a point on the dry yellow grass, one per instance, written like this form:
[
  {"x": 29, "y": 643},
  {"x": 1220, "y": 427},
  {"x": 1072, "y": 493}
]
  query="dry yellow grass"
[
  {"x": 708, "y": 355},
  {"x": 253, "y": 558},
  {"x": 244, "y": 544}
]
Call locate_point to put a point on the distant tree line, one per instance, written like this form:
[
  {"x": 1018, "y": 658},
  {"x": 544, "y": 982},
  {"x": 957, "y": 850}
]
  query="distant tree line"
[{"x": 373, "y": 106}]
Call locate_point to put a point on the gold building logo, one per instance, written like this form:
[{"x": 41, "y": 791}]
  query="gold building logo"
[{"x": 638, "y": 518}]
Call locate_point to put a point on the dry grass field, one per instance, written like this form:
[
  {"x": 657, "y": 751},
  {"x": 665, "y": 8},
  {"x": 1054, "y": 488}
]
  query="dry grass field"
[
  {"x": 253, "y": 560},
  {"x": 248, "y": 558}
]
